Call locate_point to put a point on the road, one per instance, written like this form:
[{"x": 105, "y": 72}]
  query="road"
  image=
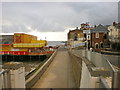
[{"x": 114, "y": 59}]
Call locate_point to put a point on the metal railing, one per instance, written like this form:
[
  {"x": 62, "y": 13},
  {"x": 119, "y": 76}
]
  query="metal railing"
[
  {"x": 103, "y": 83},
  {"x": 5, "y": 79},
  {"x": 115, "y": 76}
]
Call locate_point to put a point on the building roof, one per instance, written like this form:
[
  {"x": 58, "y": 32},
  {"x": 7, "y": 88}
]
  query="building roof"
[
  {"x": 100, "y": 28},
  {"x": 118, "y": 26},
  {"x": 106, "y": 26},
  {"x": 75, "y": 30}
]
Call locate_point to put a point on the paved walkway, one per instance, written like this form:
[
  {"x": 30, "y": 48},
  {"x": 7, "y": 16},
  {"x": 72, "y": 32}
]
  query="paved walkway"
[{"x": 59, "y": 74}]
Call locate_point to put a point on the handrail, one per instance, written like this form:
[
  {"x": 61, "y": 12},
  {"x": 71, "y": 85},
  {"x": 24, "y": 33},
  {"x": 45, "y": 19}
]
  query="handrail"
[
  {"x": 111, "y": 66},
  {"x": 103, "y": 82},
  {"x": 114, "y": 76}
]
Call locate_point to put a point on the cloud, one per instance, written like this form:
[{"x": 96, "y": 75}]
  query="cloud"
[
  {"x": 55, "y": 16},
  {"x": 119, "y": 11},
  {"x": 60, "y": 0}
]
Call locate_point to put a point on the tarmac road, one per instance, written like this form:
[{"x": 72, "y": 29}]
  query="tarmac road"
[{"x": 114, "y": 59}]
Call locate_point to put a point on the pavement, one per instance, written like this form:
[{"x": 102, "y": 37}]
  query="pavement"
[{"x": 59, "y": 74}]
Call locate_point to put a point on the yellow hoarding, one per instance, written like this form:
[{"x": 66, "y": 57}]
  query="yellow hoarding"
[{"x": 28, "y": 45}]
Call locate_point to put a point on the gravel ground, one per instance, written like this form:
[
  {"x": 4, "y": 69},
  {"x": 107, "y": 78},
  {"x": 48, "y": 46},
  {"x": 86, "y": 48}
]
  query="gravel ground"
[{"x": 29, "y": 66}]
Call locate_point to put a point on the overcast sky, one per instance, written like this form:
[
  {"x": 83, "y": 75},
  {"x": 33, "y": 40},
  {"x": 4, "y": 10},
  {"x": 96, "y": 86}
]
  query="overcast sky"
[{"x": 48, "y": 18}]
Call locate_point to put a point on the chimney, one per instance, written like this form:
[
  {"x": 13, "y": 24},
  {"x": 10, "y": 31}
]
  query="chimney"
[
  {"x": 114, "y": 23},
  {"x": 95, "y": 26},
  {"x": 76, "y": 27}
]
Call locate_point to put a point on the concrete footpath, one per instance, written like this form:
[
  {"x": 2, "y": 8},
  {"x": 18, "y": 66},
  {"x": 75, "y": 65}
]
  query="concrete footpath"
[{"x": 59, "y": 74}]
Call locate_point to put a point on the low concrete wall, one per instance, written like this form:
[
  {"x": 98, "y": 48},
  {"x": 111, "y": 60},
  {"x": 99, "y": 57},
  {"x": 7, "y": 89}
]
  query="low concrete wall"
[
  {"x": 77, "y": 68},
  {"x": 96, "y": 58},
  {"x": 37, "y": 75}
]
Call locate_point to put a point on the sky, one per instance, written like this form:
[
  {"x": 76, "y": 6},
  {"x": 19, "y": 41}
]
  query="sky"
[{"x": 52, "y": 20}]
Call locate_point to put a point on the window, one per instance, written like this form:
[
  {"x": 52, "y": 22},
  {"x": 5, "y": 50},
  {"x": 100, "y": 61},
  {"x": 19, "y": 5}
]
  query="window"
[
  {"x": 105, "y": 36},
  {"x": 96, "y": 45},
  {"x": 75, "y": 37},
  {"x": 79, "y": 35},
  {"x": 84, "y": 35},
  {"x": 97, "y": 35},
  {"x": 88, "y": 37},
  {"x": 101, "y": 45}
]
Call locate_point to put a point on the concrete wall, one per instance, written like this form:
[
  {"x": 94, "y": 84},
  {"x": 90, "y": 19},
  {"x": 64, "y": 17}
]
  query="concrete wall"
[
  {"x": 76, "y": 67},
  {"x": 83, "y": 68},
  {"x": 13, "y": 75},
  {"x": 82, "y": 75},
  {"x": 18, "y": 78},
  {"x": 37, "y": 75},
  {"x": 96, "y": 58}
]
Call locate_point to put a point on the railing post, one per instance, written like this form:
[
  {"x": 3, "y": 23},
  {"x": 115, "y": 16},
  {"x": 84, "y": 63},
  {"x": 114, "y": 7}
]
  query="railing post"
[
  {"x": 115, "y": 80},
  {"x": 114, "y": 77},
  {"x": 119, "y": 80}
]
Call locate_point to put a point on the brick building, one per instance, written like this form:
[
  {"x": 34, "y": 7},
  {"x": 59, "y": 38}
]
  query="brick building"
[
  {"x": 95, "y": 37},
  {"x": 75, "y": 38},
  {"x": 99, "y": 37}
]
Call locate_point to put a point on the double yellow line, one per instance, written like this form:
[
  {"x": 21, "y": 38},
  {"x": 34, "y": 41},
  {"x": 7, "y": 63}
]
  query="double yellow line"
[{"x": 116, "y": 68}]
